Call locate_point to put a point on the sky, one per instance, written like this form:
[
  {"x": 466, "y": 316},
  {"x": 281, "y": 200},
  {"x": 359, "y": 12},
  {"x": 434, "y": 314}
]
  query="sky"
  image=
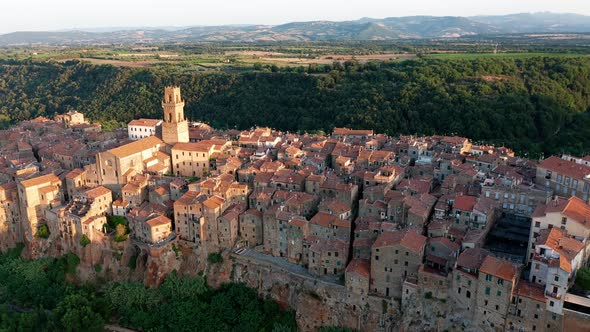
[{"x": 37, "y": 15}]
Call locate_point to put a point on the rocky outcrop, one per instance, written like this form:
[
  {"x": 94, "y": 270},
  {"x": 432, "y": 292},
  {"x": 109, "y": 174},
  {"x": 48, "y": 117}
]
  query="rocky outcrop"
[{"x": 316, "y": 302}]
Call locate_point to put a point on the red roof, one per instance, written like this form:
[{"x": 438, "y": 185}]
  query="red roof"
[
  {"x": 499, "y": 268},
  {"x": 530, "y": 290},
  {"x": 465, "y": 203},
  {"x": 359, "y": 266},
  {"x": 565, "y": 167},
  {"x": 409, "y": 238},
  {"x": 573, "y": 208},
  {"x": 567, "y": 247},
  {"x": 472, "y": 258}
]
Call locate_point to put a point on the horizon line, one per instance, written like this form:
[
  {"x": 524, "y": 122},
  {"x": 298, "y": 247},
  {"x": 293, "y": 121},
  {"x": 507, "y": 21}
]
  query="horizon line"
[{"x": 184, "y": 26}]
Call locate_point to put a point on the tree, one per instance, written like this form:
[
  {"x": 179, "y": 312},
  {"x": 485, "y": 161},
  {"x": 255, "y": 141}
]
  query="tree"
[
  {"x": 214, "y": 258},
  {"x": 583, "y": 279},
  {"x": 84, "y": 240},
  {"x": 75, "y": 313},
  {"x": 43, "y": 232}
]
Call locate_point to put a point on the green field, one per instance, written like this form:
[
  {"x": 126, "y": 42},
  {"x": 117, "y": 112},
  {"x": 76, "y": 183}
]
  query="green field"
[{"x": 523, "y": 55}]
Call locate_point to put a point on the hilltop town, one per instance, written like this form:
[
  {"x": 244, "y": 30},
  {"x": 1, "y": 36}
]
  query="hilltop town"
[{"x": 429, "y": 232}]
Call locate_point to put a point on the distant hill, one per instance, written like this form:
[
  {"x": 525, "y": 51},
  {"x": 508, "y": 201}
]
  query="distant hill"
[{"x": 391, "y": 28}]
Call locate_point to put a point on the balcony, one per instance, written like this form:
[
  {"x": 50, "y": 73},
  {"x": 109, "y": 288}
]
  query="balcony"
[{"x": 553, "y": 295}]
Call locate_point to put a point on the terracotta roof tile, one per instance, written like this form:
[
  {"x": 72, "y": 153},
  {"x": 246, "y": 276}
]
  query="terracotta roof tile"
[
  {"x": 465, "y": 203},
  {"x": 359, "y": 266},
  {"x": 499, "y": 268},
  {"x": 565, "y": 167}
]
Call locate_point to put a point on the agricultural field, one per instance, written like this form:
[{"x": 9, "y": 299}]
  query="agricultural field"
[{"x": 508, "y": 55}]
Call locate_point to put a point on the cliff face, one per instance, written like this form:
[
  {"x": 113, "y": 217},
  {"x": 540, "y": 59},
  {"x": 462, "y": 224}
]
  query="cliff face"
[{"x": 316, "y": 303}]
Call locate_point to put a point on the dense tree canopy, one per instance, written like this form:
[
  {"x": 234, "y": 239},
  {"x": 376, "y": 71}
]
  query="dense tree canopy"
[
  {"x": 534, "y": 105},
  {"x": 37, "y": 296}
]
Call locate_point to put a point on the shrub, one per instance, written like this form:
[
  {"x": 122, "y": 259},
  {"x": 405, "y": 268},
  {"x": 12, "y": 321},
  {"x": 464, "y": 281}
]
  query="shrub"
[
  {"x": 42, "y": 232},
  {"x": 214, "y": 258},
  {"x": 114, "y": 221},
  {"x": 97, "y": 268},
  {"x": 428, "y": 295},
  {"x": 84, "y": 240},
  {"x": 583, "y": 278}
]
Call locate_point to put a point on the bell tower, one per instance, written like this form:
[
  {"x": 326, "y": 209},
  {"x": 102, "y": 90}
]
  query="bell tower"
[{"x": 175, "y": 126}]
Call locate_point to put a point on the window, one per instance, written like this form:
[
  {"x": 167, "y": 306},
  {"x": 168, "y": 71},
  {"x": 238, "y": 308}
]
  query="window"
[
  {"x": 556, "y": 278},
  {"x": 499, "y": 293},
  {"x": 537, "y": 224},
  {"x": 500, "y": 281},
  {"x": 563, "y": 220},
  {"x": 487, "y": 291},
  {"x": 551, "y": 303},
  {"x": 489, "y": 277},
  {"x": 405, "y": 263}
]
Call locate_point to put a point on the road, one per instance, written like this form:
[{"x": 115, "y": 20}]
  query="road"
[{"x": 282, "y": 263}]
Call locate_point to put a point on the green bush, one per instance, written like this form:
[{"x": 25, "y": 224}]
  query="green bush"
[
  {"x": 113, "y": 221},
  {"x": 43, "y": 232},
  {"x": 84, "y": 240},
  {"x": 215, "y": 258},
  {"x": 583, "y": 279},
  {"x": 428, "y": 295}
]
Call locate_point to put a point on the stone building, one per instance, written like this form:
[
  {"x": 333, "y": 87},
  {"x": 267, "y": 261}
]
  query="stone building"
[
  {"x": 326, "y": 257},
  {"x": 142, "y": 128},
  {"x": 251, "y": 227},
  {"x": 527, "y": 310},
  {"x": 195, "y": 159},
  {"x": 175, "y": 125},
  {"x": 464, "y": 279},
  {"x": 554, "y": 264},
  {"x": 358, "y": 276},
  {"x": 564, "y": 177},
  {"x": 572, "y": 215},
  {"x": 10, "y": 222},
  {"x": 188, "y": 212},
  {"x": 116, "y": 167},
  {"x": 298, "y": 230},
  {"x": 496, "y": 284},
  {"x": 35, "y": 196},
  {"x": 395, "y": 255}
]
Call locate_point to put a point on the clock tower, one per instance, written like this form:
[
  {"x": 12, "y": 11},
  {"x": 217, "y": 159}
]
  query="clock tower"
[{"x": 175, "y": 125}]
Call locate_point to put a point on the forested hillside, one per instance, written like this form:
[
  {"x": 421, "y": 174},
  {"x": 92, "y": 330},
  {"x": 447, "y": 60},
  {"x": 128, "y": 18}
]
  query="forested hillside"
[
  {"x": 38, "y": 295},
  {"x": 536, "y": 105}
]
